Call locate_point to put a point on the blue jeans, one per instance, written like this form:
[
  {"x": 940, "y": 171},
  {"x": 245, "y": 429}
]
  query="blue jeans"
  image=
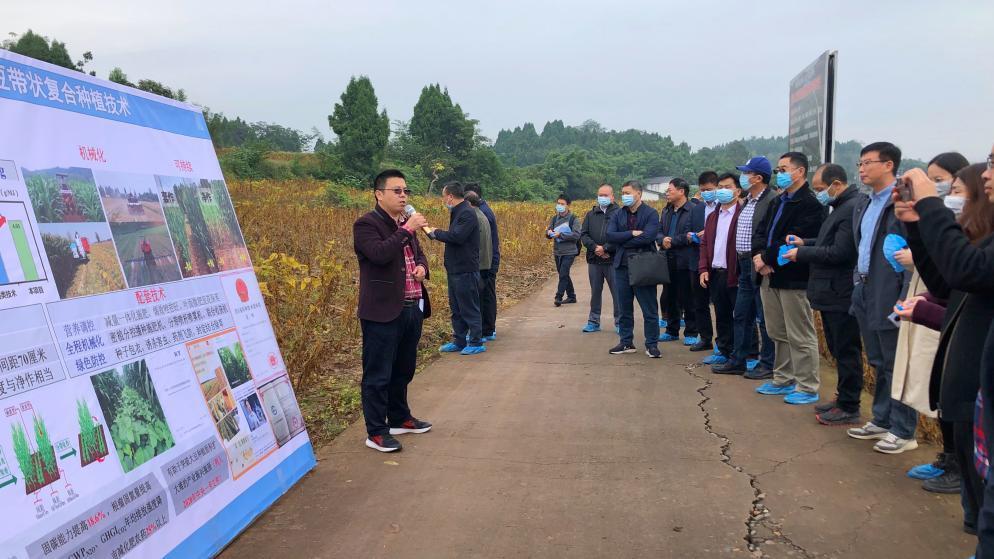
[
  {"x": 646, "y": 296},
  {"x": 881, "y": 349},
  {"x": 464, "y": 300},
  {"x": 749, "y": 309}
]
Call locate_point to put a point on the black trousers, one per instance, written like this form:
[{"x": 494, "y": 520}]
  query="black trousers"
[
  {"x": 678, "y": 300},
  {"x": 846, "y": 346},
  {"x": 563, "y": 266},
  {"x": 723, "y": 299},
  {"x": 389, "y": 357},
  {"x": 972, "y": 486},
  {"x": 488, "y": 300},
  {"x": 700, "y": 298}
]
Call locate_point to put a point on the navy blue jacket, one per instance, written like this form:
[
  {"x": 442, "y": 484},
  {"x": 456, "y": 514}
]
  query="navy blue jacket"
[
  {"x": 620, "y": 235},
  {"x": 494, "y": 238},
  {"x": 462, "y": 240},
  {"x": 681, "y": 252}
]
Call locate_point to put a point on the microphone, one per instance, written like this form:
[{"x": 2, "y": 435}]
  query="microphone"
[{"x": 409, "y": 211}]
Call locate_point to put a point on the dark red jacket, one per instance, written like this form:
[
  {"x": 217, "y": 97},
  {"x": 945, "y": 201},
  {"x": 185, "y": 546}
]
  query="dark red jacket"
[
  {"x": 707, "y": 246},
  {"x": 379, "y": 243}
]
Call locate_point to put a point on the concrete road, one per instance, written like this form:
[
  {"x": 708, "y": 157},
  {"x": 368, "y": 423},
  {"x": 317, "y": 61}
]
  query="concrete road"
[{"x": 547, "y": 446}]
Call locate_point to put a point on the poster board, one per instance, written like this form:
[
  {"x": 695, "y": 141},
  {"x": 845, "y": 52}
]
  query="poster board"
[
  {"x": 145, "y": 408},
  {"x": 812, "y": 110}
]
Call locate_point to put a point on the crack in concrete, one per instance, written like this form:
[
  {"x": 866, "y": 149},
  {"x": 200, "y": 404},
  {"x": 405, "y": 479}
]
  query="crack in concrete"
[{"x": 759, "y": 514}]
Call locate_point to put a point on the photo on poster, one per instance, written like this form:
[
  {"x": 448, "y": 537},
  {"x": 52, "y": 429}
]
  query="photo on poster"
[
  {"x": 130, "y": 404},
  {"x": 203, "y": 225},
  {"x": 82, "y": 257},
  {"x": 131, "y": 203},
  {"x": 228, "y": 426},
  {"x": 235, "y": 366},
  {"x": 284, "y": 413},
  {"x": 63, "y": 195},
  {"x": 254, "y": 414}
]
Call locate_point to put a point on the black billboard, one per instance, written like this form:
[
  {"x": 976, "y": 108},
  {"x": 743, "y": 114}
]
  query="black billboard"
[{"x": 812, "y": 110}]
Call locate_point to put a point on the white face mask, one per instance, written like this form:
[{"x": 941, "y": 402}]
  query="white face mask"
[{"x": 955, "y": 203}]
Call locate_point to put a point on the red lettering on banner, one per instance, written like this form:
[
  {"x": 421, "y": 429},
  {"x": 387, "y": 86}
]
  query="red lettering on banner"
[
  {"x": 90, "y": 153},
  {"x": 808, "y": 89},
  {"x": 183, "y": 165}
]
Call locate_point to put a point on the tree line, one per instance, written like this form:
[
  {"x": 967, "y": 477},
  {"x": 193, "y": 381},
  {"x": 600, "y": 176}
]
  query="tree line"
[{"x": 441, "y": 142}]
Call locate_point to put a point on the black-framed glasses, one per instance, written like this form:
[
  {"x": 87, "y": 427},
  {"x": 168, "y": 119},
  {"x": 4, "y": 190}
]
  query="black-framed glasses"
[
  {"x": 862, "y": 163},
  {"x": 397, "y": 191}
]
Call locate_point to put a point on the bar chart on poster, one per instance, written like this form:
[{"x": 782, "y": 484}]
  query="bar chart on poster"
[
  {"x": 145, "y": 408},
  {"x": 20, "y": 260}
]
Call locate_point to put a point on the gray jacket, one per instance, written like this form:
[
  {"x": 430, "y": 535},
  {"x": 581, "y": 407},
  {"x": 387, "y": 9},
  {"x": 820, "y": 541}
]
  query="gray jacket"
[
  {"x": 568, "y": 244},
  {"x": 486, "y": 241}
]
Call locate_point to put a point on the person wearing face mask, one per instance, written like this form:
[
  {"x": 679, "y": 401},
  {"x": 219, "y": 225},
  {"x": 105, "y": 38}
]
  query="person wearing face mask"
[
  {"x": 462, "y": 266},
  {"x": 955, "y": 261},
  {"x": 699, "y": 295},
  {"x": 674, "y": 238},
  {"x": 632, "y": 230},
  {"x": 564, "y": 232},
  {"x": 717, "y": 265},
  {"x": 794, "y": 213},
  {"x": 832, "y": 258},
  {"x": 917, "y": 345},
  {"x": 754, "y": 182},
  {"x": 593, "y": 236}
]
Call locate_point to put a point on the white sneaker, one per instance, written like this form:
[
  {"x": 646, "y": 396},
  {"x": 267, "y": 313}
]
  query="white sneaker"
[
  {"x": 867, "y": 432},
  {"x": 892, "y": 444}
]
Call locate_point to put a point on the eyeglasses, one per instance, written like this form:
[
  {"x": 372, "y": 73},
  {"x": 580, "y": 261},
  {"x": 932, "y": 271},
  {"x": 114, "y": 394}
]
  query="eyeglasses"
[
  {"x": 990, "y": 162},
  {"x": 779, "y": 170},
  {"x": 864, "y": 163},
  {"x": 397, "y": 191}
]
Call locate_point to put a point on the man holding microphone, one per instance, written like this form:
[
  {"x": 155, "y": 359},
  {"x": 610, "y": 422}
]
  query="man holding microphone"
[{"x": 393, "y": 303}]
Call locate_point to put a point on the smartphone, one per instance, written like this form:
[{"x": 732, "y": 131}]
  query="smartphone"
[
  {"x": 904, "y": 189},
  {"x": 895, "y": 320}
]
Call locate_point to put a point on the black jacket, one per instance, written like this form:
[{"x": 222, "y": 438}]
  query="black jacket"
[
  {"x": 681, "y": 252},
  {"x": 884, "y": 286},
  {"x": 953, "y": 268},
  {"x": 832, "y": 256},
  {"x": 593, "y": 232},
  {"x": 620, "y": 235},
  {"x": 802, "y": 216},
  {"x": 462, "y": 240},
  {"x": 758, "y": 217}
]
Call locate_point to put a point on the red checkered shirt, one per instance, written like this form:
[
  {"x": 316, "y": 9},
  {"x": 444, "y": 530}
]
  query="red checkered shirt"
[{"x": 412, "y": 287}]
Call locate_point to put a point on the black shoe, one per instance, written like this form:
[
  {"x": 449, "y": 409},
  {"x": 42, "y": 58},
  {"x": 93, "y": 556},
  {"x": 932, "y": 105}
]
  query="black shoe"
[
  {"x": 383, "y": 443},
  {"x": 701, "y": 346},
  {"x": 970, "y": 529},
  {"x": 948, "y": 483},
  {"x": 412, "y": 425},
  {"x": 827, "y": 406},
  {"x": 759, "y": 373},
  {"x": 728, "y": 368},
  {"x": 622, "y": 348},
  {"x": 836, "y": 416},
  {"x": 569, "y": 300},
  {"x": 653, "y": 352},
  {"x": 557, "y": 302}
]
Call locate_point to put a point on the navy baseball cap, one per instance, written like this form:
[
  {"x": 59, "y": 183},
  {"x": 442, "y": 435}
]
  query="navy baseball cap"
[{"x": 758, "y": 164}]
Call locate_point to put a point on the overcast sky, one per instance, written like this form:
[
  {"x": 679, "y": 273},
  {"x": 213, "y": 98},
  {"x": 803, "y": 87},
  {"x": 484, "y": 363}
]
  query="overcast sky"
[{"x": 917, "y": 72}]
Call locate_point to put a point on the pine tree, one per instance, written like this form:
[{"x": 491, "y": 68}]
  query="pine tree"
[{"x": 362, "y": 131}]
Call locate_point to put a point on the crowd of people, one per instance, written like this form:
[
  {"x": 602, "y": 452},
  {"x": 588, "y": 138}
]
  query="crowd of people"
[{"x": 899, "y": 271}]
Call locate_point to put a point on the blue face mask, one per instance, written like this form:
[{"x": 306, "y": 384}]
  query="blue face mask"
[
  {"x": 744, "y": 181},
  {"x": 560, "y": 208},
  {"x": 724, "y": 195},
  {"x": 603, "y": 201},
  {"x": 709, "y": 195},
  {"x": 628, "y": 200},
  {"x": 784, "y": 180},
  {"x": 823, "y": 197}
]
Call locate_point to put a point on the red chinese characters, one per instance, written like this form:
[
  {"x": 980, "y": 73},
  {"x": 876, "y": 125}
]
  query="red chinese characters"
[
  {"x": 152, "y": 295},
  {"x": 90, "y": 153}
]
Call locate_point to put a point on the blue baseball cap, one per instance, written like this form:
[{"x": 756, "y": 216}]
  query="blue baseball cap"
[{"x": 758, "y": 164}]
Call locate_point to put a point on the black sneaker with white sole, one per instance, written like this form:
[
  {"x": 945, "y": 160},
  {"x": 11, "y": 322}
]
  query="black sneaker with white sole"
[
  {"x": 653, "y": 352},
  {"x": 622, "y": 348},
  {"x": 383, "y": 443},
  {"x": 412, "y": 425}
]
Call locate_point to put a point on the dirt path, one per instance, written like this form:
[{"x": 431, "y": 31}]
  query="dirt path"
[{"x": 547, "y": 446}]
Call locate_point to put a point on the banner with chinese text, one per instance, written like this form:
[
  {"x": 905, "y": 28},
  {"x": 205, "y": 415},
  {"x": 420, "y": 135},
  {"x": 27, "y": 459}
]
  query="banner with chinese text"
[{"x": 145, "y": 405}]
